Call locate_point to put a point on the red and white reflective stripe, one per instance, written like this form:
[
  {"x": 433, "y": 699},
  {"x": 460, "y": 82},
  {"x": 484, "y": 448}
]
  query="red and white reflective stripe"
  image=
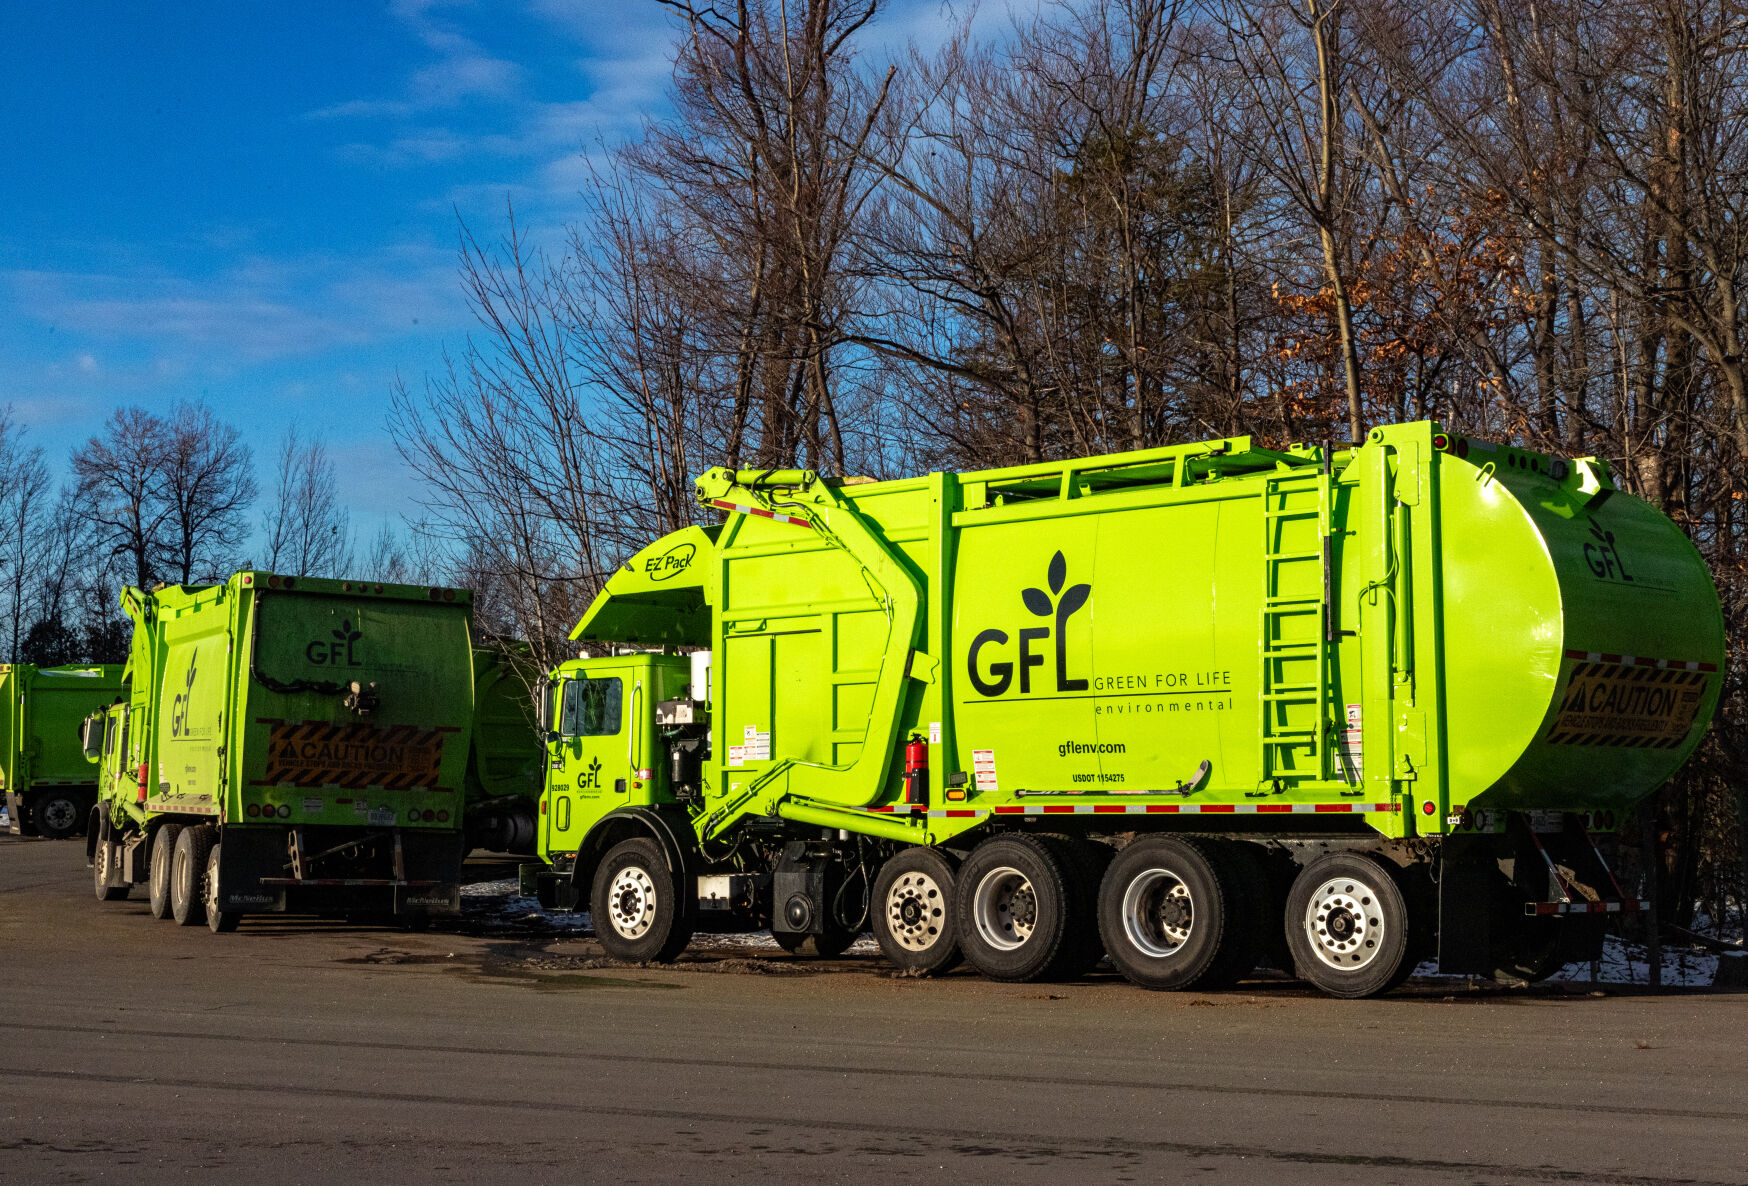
[
  {"x": 778, "y": 516},
  {"x": 1639, "y": 661},
  {"x": 898, "y": 809},
  {"x": 1629, "y": 906},
  {"x": 1172, "y": 809}
]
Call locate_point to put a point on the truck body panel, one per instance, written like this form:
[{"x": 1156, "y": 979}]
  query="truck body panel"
[{"x": 1487, "y": 638}]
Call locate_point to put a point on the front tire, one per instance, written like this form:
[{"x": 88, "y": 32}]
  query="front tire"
[
  {"x": 163, "y": 858},
  {"x": 913, "y": 911},
  {"x": 636, "y": 907},
  {"x": 103, "y": 863},
  {"x": 1347, "y": 924},
  {"x": 187, "y": 873}
]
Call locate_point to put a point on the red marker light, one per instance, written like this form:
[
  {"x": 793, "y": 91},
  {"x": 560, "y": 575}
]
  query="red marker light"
[{"x": 1428, "y": 807}]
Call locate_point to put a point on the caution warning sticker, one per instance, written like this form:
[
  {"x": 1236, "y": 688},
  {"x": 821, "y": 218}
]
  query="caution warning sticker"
[
  {"x": 1634, "y": 707},
  {"x": 313, "y": 754}
]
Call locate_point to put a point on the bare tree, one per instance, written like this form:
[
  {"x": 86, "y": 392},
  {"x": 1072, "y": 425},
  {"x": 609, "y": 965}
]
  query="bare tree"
[
  {"x": 205, "y": 485},
  {"x": 307, "y": 531},
  {"x": 24, "y": 487},
  {"x": 1294, "y": 61},
  {"x": 119, "y": 476}
]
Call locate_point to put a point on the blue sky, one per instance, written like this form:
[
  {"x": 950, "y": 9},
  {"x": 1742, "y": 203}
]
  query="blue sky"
[{"x": 256, "y": 204}]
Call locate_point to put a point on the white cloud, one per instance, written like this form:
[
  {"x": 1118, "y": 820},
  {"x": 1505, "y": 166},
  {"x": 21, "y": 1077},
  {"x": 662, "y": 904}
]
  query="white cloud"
[{"x": 258, "y": 309}]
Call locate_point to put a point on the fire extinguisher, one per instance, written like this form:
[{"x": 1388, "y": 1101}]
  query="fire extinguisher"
[{"x": 916, "y": 770}]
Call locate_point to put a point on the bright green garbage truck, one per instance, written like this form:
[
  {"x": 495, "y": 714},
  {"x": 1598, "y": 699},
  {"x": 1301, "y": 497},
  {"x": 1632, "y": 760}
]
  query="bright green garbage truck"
[
  {"x": 47, "y": 783},
  {"x": 287, "y": 744},
  {"x": 1194, "y": 708}
]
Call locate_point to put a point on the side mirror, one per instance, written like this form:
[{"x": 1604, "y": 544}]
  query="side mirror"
[
  {"x": 543, "y": 704},
  {"x": 91, "y": 738}
]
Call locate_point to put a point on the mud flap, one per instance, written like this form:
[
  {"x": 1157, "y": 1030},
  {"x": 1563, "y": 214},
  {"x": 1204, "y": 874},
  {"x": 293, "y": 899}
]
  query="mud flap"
[
  {"x": 434, "y": 857},
  {"x": 17, "y": 820},
  {"x": 246, "y": 855},
  {"x": 1466, "y": 871},
  {"x": 136, "y": 865},
  {"x": 428, "y": 899}
]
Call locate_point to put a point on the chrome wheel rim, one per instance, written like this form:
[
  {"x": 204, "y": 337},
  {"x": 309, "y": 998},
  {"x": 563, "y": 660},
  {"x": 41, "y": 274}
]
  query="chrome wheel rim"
[
  {"x": 1158, "y": 913},
  {"x": 1004, "y": 908},
  {"x": 631, "y": 902},
  {"x": 915, "y": 911},
  {"x": 1345, "y": 924}
]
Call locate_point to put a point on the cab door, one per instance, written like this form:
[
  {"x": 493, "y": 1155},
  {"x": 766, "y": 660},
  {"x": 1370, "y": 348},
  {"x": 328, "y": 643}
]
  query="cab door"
[{"x": 587, "y": 764}]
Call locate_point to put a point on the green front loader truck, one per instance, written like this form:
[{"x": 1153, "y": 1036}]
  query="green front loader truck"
[
  {"x": 287, "y": 744},
  {"x": 1195, "y": 708},
  {"x": 45, "y": 781}
]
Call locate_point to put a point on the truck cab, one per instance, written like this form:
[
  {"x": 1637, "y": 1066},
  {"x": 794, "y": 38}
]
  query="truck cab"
[
  {"x": 105, "y": 739},
  {"x": 619, "y": 732}
]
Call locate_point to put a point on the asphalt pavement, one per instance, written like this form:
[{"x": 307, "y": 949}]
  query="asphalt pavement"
[{"x": 302, "y": 1050}]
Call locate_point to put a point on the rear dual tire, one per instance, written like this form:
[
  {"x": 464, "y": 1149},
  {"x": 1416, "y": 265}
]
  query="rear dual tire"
[
  {"x": 1182, "y": 912},
  {"x": 218, "y": 921},
  {"x": 188, "y": 875},
  {"x": 1024, "y": 908},
  {"x": 163, "y": 858},
  {"x": 58, "y": 814}
]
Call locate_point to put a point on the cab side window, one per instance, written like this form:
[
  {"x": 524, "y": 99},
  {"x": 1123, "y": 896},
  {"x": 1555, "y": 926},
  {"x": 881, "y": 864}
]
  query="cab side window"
[{"x": 591, "y": 707}]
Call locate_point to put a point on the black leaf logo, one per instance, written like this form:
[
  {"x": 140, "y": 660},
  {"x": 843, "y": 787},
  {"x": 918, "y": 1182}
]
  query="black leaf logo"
[
  {"x": 346, "y": 634},
  {"x": 1045, "y": 604}
]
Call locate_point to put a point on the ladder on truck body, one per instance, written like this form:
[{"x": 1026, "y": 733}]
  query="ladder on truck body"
[{"x": 1295, "y": 626}]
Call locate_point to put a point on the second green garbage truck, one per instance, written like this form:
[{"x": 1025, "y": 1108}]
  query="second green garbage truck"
[
  {"x": 47, "y": 784},
  {"x": 287, "y": 743},
  {"x": 1192, "y": 707}
]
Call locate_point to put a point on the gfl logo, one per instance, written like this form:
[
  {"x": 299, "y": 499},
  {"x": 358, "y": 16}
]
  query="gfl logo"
[
  {"x": 1045, "y": 605},
  {"x": 338, "y": 653},
  {"x": 1603, "y": 557},
  {"x": 179, "y": 702}
]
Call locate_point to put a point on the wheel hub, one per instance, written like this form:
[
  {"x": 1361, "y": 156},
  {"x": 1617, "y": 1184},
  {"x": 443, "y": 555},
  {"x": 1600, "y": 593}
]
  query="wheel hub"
[
  {"x": 1005, "y": 908},
  {"x": 59, "y": 814},
  {"x": 1158, "y": 913},
  {"x": 631, "y": 902},
  {"x": 915, "y": 909},
  {"x": 1344, "y": 923}
]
